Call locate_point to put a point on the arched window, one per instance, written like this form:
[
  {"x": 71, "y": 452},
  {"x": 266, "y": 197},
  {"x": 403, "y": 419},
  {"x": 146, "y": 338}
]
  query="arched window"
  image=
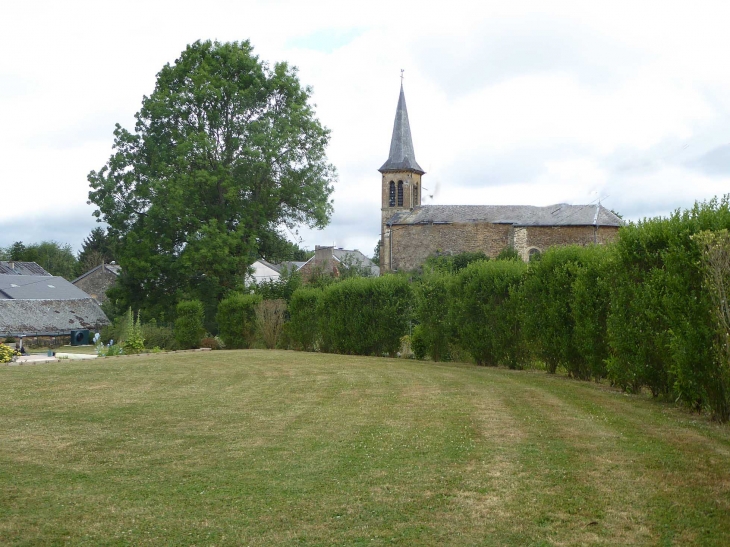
[
  {"x": 400, "y": 193},
  {"x": 415, "y": 194},
  {"x": 534, "y": 254},
  {"x": 391, "y": 201}
]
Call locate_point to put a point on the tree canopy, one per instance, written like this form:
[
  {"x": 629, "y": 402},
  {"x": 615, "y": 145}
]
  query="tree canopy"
[
  {"x": 97, "y": 248},
  {"x": 226, "y": 152},
  {"x": 56, "y": 258}
]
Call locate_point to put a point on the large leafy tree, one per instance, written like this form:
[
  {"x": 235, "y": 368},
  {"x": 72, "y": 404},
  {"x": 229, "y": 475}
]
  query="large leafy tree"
[{"x": 226, "y": 152}]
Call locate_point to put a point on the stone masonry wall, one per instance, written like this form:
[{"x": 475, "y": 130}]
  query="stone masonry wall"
[
  {"x": 96, "y": 284},
  {"x": 413, "y": 244}
]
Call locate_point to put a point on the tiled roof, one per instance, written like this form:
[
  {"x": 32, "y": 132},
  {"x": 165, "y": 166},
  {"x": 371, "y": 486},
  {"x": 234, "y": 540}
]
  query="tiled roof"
[
  {"x": 115, "y": 269},
  {"x": 21, "y": 268},
  {"x": 49, "y": 317},
  {"x": 38, "y": 287},
  {"x": 356, "y": 258},
  {"x": 519, "y": 215}
]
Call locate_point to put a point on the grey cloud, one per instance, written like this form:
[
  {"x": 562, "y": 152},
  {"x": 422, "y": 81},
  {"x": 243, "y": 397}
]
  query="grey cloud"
[
  {"x": 72, "y": 228},
  {"x": 515, "y": 47},
  {"x": 713, "y": 162}
]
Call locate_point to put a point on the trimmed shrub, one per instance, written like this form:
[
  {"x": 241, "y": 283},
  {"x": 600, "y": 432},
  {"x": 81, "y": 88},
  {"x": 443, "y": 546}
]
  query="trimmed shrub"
[
  {"x": 303, "y": 326},
  {"x": 237, "y": 320},
  {"x": 485, "y": 317},
  {"x": 189, "y": 324},
  {"x": 545, "y": 302},
  {"x": 434, "y": 331},
  {"x": 365, "y": 316},
  {"x": 156, "y": 336},
  {"x": 590, "y": 305}
]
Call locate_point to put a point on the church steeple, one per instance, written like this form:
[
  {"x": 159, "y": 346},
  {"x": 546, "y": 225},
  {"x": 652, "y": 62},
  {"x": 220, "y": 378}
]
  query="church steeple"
[{"x": 401, "y": 157}]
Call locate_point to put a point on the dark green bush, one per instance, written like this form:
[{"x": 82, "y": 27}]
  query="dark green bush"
[
  {"x": 302, "y": 330},
  {"x": 158, "y": 336},
  {"x": 485, "y": 316},
  {"x": 365, "y": 316},
  {"x": 590, "y": 304},
  {"x": 189, "y": 324},
  {"x": 660, "y": 325},
  {"x": 237, "y": 320},
  {"x": 433, "y": 334},
  {"x": 545, "y": 301}
]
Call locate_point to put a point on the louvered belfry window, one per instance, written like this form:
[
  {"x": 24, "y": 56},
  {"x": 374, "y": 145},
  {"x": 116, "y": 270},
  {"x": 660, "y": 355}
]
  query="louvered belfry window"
[
  {"x": 400, "y": 193},
  {"x": 392, "y": 194}
]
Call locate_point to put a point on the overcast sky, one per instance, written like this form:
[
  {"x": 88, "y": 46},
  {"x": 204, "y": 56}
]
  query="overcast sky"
[{"x": 509, "y": 102}]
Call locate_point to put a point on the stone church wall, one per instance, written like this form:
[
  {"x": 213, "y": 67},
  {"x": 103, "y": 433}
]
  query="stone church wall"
[{"x": 413, "y": 244}]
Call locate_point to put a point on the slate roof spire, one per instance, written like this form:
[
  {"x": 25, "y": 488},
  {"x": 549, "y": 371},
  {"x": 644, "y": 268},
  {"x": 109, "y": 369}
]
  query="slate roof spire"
[{"x": 402, "y": 157}]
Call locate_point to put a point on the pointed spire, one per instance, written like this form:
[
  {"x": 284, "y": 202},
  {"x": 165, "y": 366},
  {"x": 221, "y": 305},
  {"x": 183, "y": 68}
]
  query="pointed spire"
[{"x": 402, "y": 157}]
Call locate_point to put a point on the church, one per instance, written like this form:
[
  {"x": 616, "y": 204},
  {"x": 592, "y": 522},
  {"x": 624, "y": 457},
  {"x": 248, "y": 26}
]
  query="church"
[{"x": 411, "y": 232}]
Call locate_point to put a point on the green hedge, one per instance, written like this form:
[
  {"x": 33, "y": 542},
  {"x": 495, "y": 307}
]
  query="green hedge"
[
  {"x": 365, "y": 316},
  {"x": 302, "y": 329},
  {"x": 189, "y": 324},
  {"x": 485, "y": 316},
  {"x": 236, "y": 320}
]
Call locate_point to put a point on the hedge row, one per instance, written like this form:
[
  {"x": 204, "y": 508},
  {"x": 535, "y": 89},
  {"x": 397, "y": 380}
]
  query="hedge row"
[
  {"x": 637, "y": 312},
  {"x": 357, "y": 316}
]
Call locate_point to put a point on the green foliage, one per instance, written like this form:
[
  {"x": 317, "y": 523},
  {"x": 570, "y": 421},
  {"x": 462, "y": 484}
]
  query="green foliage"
[
  {"x": 225, "y": 151},
  {"x": 283, "y": 288},
  {"x": 485, "y": 316},
  {"x": 158, "y": 336},
  {"x": 453, "y": 263},
  {"x": 189, "y": 324},
  {"x": 590, "y": 304},
  {"x": 419, "y": 345},
  {"x": 661, "y": 326},
  {"x": 365, "y": 316},
  {"x": 56, "y": 258},
  {"x": 236, "y": 319},
  {"x": 303, "y": 326},
  {"x": 508, "y": 253},
  {"x": 433, "y": 334},
  {"x": 97, "y": 248},
  {"x": 270, "y": 317},
  {"x": 548, "y": 320},
  {"x": 133, "y": 341}
]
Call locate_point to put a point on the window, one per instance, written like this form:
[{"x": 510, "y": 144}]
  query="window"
[
  {"x": 415, "y": 194},
  {"x": 400, "y": 193},
  {"x": 392, "y": 194}
]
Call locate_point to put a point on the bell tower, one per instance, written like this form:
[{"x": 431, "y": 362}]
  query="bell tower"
[{"x": 401, "y": 179}]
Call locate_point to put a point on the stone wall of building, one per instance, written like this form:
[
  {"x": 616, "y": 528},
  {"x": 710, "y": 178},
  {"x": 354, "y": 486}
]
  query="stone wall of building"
[
  {"x": 412, "y": 244},
  {"x": 97, "y": 283}
]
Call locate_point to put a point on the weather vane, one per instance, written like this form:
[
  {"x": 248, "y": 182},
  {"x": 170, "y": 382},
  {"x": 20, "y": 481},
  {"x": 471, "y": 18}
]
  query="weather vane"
[{"x": 402, "y": 70}]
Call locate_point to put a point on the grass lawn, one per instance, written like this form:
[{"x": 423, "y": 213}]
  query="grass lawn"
[{"x": 266, "y": 447}]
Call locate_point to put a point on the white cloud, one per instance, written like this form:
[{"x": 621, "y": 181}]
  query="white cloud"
[{"x": 519, "y": 102}]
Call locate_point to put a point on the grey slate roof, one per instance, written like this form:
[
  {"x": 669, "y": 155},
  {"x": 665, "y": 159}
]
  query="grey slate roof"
[
  {"x": 49, "y": 317},
  {"x": 401, "y": 157},
  {"x": 519, "y": 215},
  {"x": 38, "y": 287},
  {"x": 292, "y": 265},
  {"x": 356, "y": 258},
  {"x": 21, "y": 268},
  {"x": 115, "y": 269}
]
